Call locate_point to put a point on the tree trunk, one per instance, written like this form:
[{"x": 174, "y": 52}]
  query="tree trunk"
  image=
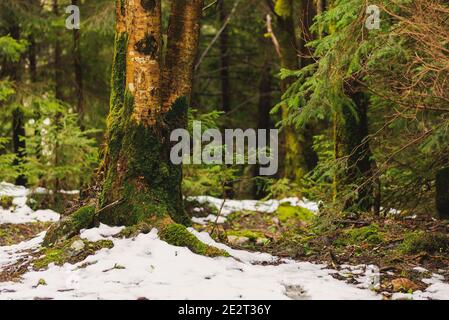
[
  {"x": 18, "y": 133},
  {"x": 182, "y": 47},
  {"x": 299, "y": 157},
  {"x": 352, "y": 147},
  {"x": 442, "y": 193},
  {"x": 224, "y": 60},
  {"x": 264, "y": 107},
  {"x": 32, "y": 58},
  {"x": 142, "y": 187},
  {"x": 145, "y": 106},
  {"x": 78, "y": 70},
  {"x": 57, "y": 58},
  {"x": 13, "y": 71}
]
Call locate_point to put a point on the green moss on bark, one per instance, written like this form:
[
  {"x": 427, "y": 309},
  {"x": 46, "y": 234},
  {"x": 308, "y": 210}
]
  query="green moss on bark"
[
  {"x": 140, "y": 174},
  {"x": 178, "y": 235},
  {"x": 70, "y": 226}
]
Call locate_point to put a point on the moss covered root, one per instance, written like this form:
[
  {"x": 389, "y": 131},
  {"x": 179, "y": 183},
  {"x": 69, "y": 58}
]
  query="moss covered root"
[
  {"x": 69, "y": 251},
  {"x": 70, "y": 226},
  {"x": 178, "y": 235},
  {"x": 174, "y": 234}
]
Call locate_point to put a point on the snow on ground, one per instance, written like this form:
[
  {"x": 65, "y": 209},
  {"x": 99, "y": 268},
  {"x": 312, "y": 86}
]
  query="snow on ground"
[
  {"x": 146, "y": 267},
  {"x": 229, "y": 206},
  {"x": 20, "y": 212},
  {"x": 11, "y": 254}
]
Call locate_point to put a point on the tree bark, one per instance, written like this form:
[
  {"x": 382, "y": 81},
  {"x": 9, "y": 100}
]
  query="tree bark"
[
  {"x": 141, "y": 186},
  {"x": 182, "y": 48},
  {"x": 264, "y": 106},
  {"x": 148, "y": 100},
  {"x": 32, "y": 58},
  {"x": 78, "y": 71},
  {"x": 299, "y": 157},
  {"x": 352, "y": 147},
  {"x": 57, "y": 58},
  {"x": 224, "y": 59},
  {"x": 13, "y": 72},
  {"x": 442, "y": 193}
]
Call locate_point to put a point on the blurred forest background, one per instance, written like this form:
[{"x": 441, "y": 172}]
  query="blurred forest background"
[{"x": 364, "y": 114}]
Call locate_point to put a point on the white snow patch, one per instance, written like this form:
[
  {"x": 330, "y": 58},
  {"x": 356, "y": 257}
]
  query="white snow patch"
[
  {"x": 100, "y": 233},
  {"x": 11, "y": 254},
  {"x": 209, "y": 218},
  {"x": 20, "y": 212},
  {"x": 230, "y": 206},
  {"x": 157, "y": 270},
  {"x": 438, "y": 290}
]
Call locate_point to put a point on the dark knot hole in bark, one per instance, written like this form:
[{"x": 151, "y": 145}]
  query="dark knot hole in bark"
[
  {"x": 148, "y": 5},
  {"x": 147, "y": 46}
]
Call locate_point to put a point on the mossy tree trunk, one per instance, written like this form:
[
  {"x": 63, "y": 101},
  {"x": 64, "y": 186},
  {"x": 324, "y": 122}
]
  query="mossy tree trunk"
[
  {"x": 298, "y": 155},
  {"x": 353, "y": 180},
  {"x": 442, "y": 193},
  {"x": 149, "y": 98}
]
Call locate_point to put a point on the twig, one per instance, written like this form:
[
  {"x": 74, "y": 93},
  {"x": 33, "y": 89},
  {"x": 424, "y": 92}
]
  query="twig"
[
  {"x": 273, "y": 36},
  {"x": 223, "y": 27}
]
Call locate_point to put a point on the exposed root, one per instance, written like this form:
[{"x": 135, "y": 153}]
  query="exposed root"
[{"x": 169, "y": 231}]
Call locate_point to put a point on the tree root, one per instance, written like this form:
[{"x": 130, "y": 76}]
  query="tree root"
[{"x": 169, "y": 231}]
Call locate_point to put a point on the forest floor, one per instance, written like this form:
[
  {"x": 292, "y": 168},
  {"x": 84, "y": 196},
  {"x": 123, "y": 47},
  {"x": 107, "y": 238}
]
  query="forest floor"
[{"x": 277, "y": 241}]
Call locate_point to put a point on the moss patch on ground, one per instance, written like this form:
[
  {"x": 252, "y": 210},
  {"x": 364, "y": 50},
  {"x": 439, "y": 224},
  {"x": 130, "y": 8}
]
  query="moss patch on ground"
[
  {"x": 64, "y": 252},
  {"x": 6, "y": 202},
  {"x": 419, "y": 241},
  {"x": 290, "y": 214},
  {"x": 251, "y": 235},
  {"x": 367, "y": 235},
  {"x": 15, "y": 233}
]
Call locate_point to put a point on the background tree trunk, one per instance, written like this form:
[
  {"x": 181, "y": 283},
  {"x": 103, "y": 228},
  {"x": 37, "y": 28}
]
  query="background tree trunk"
[
  {"x": 352, "y": 147},
  {"x": 78, "y": 70},
  {"x": 13, "y": 72},
  {"x": 264, "y": 107},
  {"x": 57, "y": 58},
  {"x": 224, "y": 59},
  {"x": 299, "y": 157},
  {"x": 442, "y": 193}
]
